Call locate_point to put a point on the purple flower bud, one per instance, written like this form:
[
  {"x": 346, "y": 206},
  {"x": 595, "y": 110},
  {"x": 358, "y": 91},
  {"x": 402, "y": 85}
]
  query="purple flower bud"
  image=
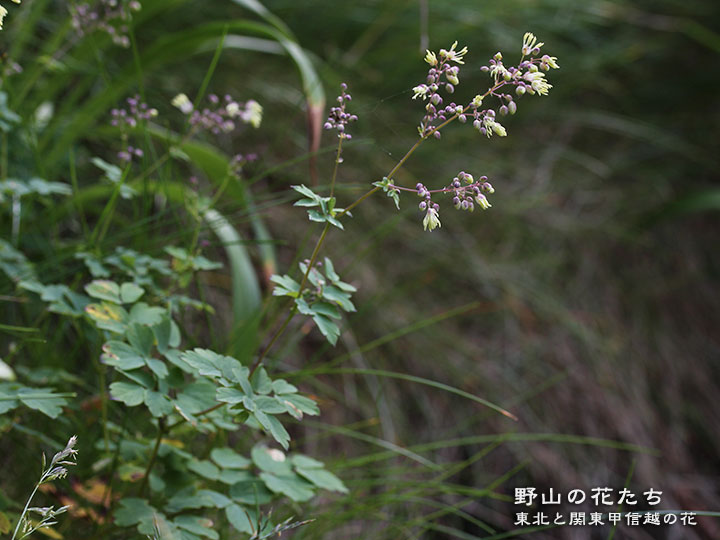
[
  {"x": 503, "y": 110},
  {"x": 327, "y": 125},
  {"x": 449, "y": 88},
  {"x": 422, "y": 205},
  {"x": 437, "y": 134}
]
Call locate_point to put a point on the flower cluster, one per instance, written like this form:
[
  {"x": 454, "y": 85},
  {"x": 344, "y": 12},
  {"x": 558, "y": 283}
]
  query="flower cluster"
[
  {"x": 222, "y": 115},
  {"x": 4, "y": 12},
  {"x": 136, "y": 113},
  {"x": 109, "y": 16},
  {"x": 339, "y": 118},
  {"x": 442, "y": 74},
  {"x": 527, "y": 77},
  {"x": 466, "y": 193}
]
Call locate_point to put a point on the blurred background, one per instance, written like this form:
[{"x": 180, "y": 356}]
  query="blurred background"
[{"x": 584, "y": 301}]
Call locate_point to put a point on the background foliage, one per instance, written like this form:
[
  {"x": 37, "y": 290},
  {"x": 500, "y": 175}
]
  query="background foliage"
[{"x": 583, "y": 301}]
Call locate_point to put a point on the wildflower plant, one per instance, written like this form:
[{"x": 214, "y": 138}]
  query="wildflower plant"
[{"x": 443, "y": 76}]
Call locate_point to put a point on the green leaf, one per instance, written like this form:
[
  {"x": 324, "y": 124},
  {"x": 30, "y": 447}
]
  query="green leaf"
[
  {"x": 329, "y": 329},
  {"x": 211, "y": 364},
  {"x": 174, "y": 357},
  {"x": 104, "y": 290},
  {"x": 130, "y": 394},
  {"x": 231, "y": 477},
  {"x": 270, "y": 460},
  {"x": 141, "y": 338},
  {"x": 330, "y": 270},
  {"x": 322, "y": 478},
  {"x": 108, "y": 316},
  {"x": 121, "y": 355},
  {"x": 305, "y": 404},
  {"x": 197, "y": 396},
  {"x": 157, "y": 367},
  {"x": 281, "y": 386},
  {"x": 261, "y": 383},
  {"x": 338, "y": 296},
  {"x": 306, "y": 462},
  {"x": 162, "y": 332},
  {"x": 132, "y": 511},
  {"x": 240, "y": 519},
  {"x": 188, "y": 498},
  {"x": 197, "y": 525},
  {"x": 273, "y": 426},
  {"x": 204, "y": 468},
  {"x": 158, "y": 404},
  {"x": 227, "y": 458},
  {"x": 48, "y": 404},
  {"x": 230, "y": 395},
  {"x": 286, "y": 286},
  {"x": 144, "y": 314},
  {"x": 252, "y": 492},
  {"x": 130, "y": 293},
  {"x": 270, "y": 405},
  {"x": 291, "y": 486},
  {"x": 219, "y": 500},
  {"x": 328, "y": 310}
]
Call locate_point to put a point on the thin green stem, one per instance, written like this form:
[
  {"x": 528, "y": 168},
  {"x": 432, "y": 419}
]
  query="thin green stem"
[
  {"x": 335, "y": 169},
  {"x": 153, "y": 457},
  {"x": 27, "y": 505}
]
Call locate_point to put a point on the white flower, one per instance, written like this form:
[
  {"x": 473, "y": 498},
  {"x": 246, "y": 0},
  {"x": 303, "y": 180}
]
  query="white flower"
[
  {"x": 253, "y": 113},
  {"x": 538, "y": 82},
  {"x": 499, "y": 70},
  {"x": 453, "y": 55},
  {"x": 432, "y": 219},
  {"x": 549, "y": 62},
  {"x": 491, "y": 126},
  {"x": 182, "y": 102},
  {"x": 477, "y": 101},
  {"x": 430, "y": 58},
  {"x": 530, "y": 43},
  {"x": 421, "y": 90},
  {"x": 483, "y": 202}
]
